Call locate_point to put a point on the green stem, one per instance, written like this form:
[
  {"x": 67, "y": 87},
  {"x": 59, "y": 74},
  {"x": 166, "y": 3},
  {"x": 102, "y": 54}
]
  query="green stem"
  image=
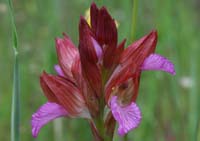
[
  {"x": 134, "y": 17},
  {"x": 99, "y": 121}
]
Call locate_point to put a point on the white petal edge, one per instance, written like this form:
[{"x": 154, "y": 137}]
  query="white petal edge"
[
  {"x": 46, "y": 113},
  {"x": 128, "y": 117},
  {"x": 158, "y": 62}
]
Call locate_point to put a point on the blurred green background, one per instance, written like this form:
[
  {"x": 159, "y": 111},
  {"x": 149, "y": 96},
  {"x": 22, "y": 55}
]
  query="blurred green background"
[{"x": 170, "y": 104}]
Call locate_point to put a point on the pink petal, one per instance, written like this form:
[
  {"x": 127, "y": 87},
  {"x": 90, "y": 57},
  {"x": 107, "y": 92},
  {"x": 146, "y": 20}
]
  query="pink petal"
[
  {"x": 128, "y": 117},
  {"x": 97, "y": 48},
  {"x": 158, "y": 62},
  {"x": 59, "y": 70},
  {"x": 45, "y": 114}
]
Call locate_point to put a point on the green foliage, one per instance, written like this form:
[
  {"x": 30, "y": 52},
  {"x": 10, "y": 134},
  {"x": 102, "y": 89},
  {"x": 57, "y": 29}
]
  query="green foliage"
[{"x": 169, "y": 104}]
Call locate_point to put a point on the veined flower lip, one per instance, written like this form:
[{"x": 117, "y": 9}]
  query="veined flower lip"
[
  {"x": 46, "y": 113},
  {"x": 128, "y": 117},
  {"x": 158, "y": 62}
]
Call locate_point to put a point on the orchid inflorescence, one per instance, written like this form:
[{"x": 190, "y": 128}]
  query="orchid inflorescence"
[{"x": 99, "y": 80}]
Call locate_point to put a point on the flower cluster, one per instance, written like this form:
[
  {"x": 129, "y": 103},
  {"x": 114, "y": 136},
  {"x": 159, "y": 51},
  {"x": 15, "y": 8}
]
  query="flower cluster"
[{"x": 99, "y": 80}]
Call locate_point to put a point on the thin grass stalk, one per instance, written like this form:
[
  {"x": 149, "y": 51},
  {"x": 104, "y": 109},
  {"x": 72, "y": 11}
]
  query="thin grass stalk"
[
  {"x": 55, "y": 22},
  {"x": 191, "y": 37},
  {"x": 198, "y": 104},
  {"x": 134, "y": 18},
  {"x": 15, "y": 110},
  {"x": 194, "y": 109}
]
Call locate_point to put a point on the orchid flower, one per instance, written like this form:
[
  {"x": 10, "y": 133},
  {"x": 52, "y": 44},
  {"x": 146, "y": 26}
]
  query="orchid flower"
[{"x": 100, "y": 74}]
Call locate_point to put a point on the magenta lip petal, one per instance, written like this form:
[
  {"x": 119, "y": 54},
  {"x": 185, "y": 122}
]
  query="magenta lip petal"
[
  {"x": 59, "y": 70},
  {"x": 45, "y": 114},
  {"x": 128, "y": 117},
  {"x": 158, "y": 62}
]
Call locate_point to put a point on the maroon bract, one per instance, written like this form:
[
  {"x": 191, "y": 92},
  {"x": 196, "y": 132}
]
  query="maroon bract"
[{"x": 98, "y": 75}]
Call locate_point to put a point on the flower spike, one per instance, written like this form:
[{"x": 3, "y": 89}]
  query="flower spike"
[{"x": 100, "y": 75}]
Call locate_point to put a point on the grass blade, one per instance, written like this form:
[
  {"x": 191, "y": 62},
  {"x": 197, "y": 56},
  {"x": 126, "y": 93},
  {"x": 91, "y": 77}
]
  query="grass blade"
[
  {"x": 15, "y": 111},
  {"x": 14, "y": 34},
  {"x": 134, "y": 18}
]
